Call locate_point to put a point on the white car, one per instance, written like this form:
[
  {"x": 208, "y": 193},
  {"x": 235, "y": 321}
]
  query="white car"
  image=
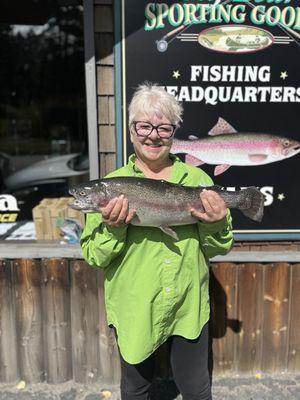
[{"x": 52, "y": 169}]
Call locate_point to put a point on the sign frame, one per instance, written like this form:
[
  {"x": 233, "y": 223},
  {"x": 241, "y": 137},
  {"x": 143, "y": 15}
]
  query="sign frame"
[{"x": 121, "y": 129}]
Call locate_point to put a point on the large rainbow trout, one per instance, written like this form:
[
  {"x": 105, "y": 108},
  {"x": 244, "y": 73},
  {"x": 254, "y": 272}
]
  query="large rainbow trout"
[{"x": 160, "y": 203}]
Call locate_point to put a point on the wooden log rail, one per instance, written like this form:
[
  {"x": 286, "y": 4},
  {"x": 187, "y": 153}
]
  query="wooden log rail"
[{"x": 53, "y": 326}]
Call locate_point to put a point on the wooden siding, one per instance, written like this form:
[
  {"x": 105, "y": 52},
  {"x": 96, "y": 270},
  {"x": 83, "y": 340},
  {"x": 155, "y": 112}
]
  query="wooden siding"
[
  {"x": 9, "y": 365},
  {"x": 53, "y": 326},
  {"x": 104, "y": 48},
  {"x": 55, "y": 289}
]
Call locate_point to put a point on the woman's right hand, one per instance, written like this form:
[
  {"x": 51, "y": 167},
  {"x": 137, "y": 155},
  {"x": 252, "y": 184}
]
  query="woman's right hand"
[{"x": 116, "y": 212}]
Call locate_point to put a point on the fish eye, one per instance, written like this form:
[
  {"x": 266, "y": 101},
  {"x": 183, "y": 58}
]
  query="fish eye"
[
  {"x": 82, "y": 193},
  {"x": 286, "y": 143}
]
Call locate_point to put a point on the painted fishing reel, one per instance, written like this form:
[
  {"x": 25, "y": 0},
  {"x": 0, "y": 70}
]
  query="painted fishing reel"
[{"x": 161, "y": 45}]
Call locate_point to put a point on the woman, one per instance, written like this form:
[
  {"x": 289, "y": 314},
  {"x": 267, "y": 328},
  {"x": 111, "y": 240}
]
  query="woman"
[{"x": 156, "y": 289}]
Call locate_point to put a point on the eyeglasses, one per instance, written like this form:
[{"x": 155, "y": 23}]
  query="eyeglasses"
[{"x": 164, "y": 131}]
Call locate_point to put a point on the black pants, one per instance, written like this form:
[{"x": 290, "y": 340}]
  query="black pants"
[{"x": 189, "y": 362}]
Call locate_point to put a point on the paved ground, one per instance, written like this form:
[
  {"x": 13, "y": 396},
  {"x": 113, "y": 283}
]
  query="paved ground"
[
  {"x": 280, "y": 387},
  {"x": 275, "y": 387}
]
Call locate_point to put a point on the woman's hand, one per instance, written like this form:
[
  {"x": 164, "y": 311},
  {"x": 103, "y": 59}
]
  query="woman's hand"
[
  {"x": 214, "y": 207},
  {"x": 116, "y": 212}
]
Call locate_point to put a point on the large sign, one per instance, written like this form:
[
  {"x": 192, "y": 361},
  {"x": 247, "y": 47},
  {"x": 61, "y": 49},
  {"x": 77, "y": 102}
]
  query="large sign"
[{"x": 234, "y": 65}]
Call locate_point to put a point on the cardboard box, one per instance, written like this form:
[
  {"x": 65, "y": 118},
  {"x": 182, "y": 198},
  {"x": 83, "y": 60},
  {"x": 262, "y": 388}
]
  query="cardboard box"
[{"x": 49, "y": 213}]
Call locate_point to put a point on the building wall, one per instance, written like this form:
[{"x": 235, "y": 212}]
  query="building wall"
[{"x": 104, "y": 49}]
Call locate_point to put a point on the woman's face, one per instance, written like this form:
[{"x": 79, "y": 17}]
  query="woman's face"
[{"x": 152, "y": 148}]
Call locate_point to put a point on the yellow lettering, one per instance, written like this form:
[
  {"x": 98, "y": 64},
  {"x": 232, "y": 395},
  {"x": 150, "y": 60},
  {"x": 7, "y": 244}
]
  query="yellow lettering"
[{"x": 12, "y": 217}]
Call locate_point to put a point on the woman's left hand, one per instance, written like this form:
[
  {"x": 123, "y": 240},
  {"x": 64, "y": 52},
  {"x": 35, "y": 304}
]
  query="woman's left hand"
[{"x": 214, "y": 207}]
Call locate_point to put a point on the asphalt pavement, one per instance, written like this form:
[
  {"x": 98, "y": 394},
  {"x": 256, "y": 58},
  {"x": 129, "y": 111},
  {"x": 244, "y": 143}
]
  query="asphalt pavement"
[{"x": 259, "y": 387}]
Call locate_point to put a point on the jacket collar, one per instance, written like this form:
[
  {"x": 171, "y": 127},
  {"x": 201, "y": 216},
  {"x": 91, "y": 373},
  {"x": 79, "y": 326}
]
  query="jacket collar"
[{"x": 179, "y": 170}]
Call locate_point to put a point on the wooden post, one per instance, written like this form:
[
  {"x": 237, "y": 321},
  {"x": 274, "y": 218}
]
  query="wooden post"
[
  {"x": 9, "y": 370},
  {"x": 294, "y": 320},
  {"x": 56, "y": 317},
  {"x": 250, "y": 315},
  {"x": 275, "y": 317},
  {"x": 27, "y": 287},
  {"x": 85, "y": 322}
]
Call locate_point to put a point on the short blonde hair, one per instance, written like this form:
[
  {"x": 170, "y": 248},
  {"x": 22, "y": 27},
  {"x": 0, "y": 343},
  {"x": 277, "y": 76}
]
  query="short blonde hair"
[{"x": 151, "y": 99}]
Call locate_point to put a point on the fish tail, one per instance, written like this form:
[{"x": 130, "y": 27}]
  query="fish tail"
[{"x": 254, "y": 203}]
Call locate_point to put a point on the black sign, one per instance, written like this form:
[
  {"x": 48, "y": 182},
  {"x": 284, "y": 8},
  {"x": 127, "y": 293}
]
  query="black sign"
[{"x": 235, "y": 67}]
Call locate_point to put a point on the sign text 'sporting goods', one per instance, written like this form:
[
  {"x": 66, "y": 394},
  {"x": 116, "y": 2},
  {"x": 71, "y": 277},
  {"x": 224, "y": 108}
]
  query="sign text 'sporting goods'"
[
  {"x": 235, "y": 66},
  {"x": 160, "y": 15}
]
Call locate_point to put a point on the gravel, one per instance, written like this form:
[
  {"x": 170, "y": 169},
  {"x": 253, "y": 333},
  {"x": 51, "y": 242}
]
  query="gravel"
[{"x": 260, "y": 387}]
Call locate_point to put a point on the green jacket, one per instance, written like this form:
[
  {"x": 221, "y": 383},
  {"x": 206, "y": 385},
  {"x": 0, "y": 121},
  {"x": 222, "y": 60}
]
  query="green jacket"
[{"x": 155, "y": 287}]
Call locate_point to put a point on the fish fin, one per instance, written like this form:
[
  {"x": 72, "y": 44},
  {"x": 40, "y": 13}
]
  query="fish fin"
[
  {"x": 169, "y": 231},
  {"x": 222, "y": 127},
  {"x": 254, "y": 200},
  {"x": 257, "y": 157},
  {"x": 221, "y": 168},
  {"x": 193, "y": 160},
  {"x": 193, "y": 137}
]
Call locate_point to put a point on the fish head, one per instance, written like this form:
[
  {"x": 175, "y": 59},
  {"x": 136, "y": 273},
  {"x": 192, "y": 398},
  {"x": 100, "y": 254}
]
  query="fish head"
[
  {"x": 89, "y": 197},
  {"x": 288, "y": 147}
]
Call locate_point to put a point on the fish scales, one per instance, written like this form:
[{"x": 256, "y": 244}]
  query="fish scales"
[
  {"x": 230, "y": 148},
  {"x": 159, "y": 203},
  {"x": 225, "y": 147},
  {"x": 156, "y": 201}
]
